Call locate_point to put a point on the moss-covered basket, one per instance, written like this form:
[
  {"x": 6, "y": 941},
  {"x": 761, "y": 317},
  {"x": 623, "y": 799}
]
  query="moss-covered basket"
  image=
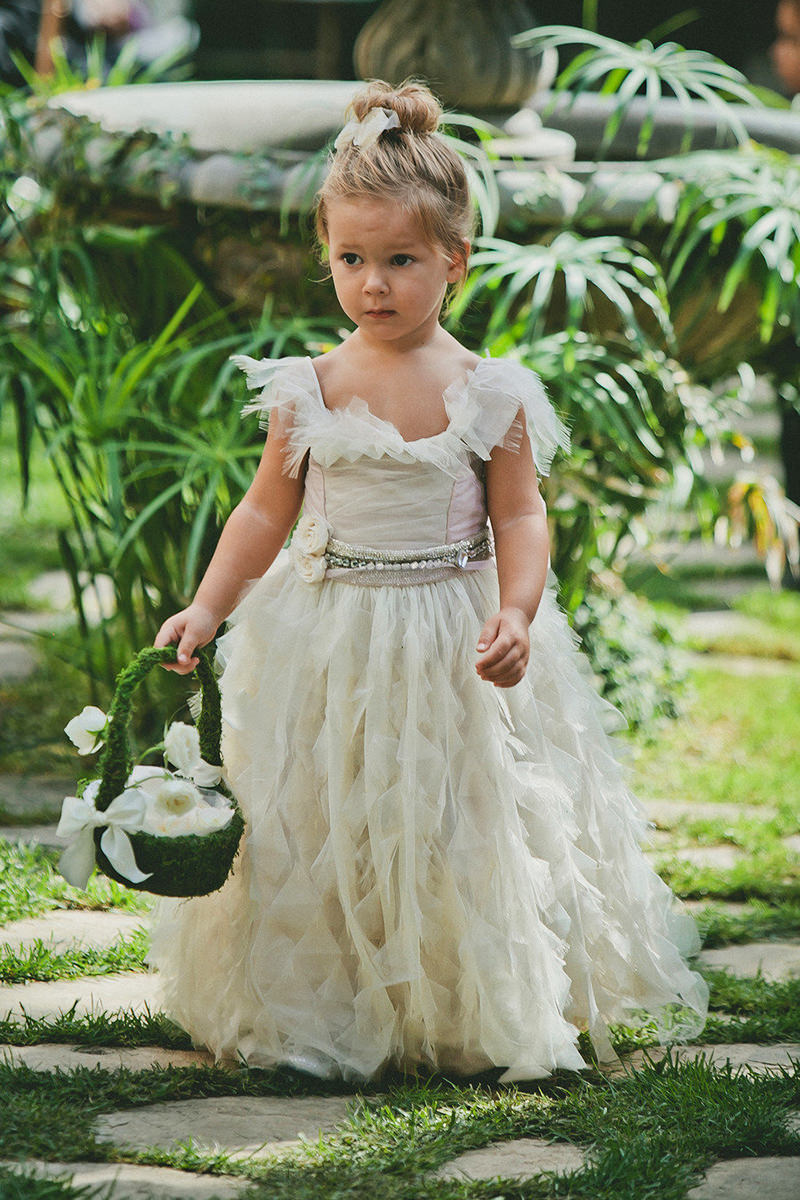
[{"x": 189, "y": 865}]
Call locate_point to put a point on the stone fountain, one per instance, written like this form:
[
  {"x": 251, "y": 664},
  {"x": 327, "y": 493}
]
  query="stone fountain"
[{"x": 230, "y": 160}]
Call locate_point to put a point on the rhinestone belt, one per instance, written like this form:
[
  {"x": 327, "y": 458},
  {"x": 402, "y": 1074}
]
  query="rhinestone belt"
[{"x": 452, "y": 554}]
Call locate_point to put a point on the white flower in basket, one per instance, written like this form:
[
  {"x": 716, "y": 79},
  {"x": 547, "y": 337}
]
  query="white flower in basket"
[
  {"x": 155, "y": 801},
  {"x": 85, "y": 729}
]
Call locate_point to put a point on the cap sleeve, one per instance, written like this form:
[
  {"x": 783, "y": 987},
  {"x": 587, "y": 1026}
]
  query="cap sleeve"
[
  {"x": 501, "y": 394},
  {"x": 288, "y": 394}
]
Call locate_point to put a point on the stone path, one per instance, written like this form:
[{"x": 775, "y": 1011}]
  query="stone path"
[
  {"x": 137, "y": 1183},
  {"x": 130, "y": 991},
  {"x": 58, "y": 1056},
  {"x": 34, "y": 835},
  {"x": 63, "y": 928},
  {"x": 669, "y": 813},
  {"x": 743, "y": 1056},
  {"x": 32, "y": 798},
  {"x": 243, "y": 1126},
  {"x": 514, "y": 1160},
  {"x": 775, "y": 960},
  {"x": 747, "y": 1178}
]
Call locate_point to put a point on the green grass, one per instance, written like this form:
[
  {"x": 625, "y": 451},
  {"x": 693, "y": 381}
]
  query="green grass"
[
  {"x": 40, "y": 962},
  {"x": 14, "y": 1186},
  {"x": 120, "y": 1029},
  {"x": 686, "y": 1116},
  {"x": 736, "y": 742},
  {"x": 761, "y": 921},
  {"x": 32, "y": 885},
  {"x": 780, "y": 610}
]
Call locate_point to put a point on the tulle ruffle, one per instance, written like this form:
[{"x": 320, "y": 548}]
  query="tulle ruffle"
[
  {"x": 435, "y": 872},
  {"x": 484, "y": 410}
]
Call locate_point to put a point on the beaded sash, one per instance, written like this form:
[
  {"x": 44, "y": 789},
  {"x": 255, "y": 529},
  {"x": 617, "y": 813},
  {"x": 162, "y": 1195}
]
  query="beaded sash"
[{"x": 365, "y": 564}]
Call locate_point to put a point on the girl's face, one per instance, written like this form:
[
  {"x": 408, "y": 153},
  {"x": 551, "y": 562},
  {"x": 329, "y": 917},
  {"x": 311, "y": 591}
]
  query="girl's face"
[{"x": 389, "y": 281}]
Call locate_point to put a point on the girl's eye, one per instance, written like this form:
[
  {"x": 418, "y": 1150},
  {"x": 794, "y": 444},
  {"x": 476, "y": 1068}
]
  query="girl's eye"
[
  {"x": 401, "y": 260},
  {"x": 350, "y": 258}
]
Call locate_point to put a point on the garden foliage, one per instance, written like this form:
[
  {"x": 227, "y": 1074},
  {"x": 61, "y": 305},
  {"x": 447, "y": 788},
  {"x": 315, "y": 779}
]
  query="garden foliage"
[{"x": 115, "y": 344}]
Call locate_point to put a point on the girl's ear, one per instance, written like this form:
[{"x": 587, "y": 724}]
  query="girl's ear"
[{"x": 459, "y": 266}]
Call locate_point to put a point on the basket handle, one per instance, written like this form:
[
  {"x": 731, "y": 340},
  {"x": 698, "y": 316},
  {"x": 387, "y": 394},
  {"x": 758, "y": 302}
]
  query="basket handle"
[{"x": 115, "y": 762}]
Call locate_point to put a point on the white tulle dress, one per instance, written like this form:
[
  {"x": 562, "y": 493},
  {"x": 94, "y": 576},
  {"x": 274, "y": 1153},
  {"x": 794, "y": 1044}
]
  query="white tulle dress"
[{"x": 436, "y": 872}]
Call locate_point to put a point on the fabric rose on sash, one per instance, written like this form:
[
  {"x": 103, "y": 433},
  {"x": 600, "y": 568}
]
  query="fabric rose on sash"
[{"x": 307, "y": 548}]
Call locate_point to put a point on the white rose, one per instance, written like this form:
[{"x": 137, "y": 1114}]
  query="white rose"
[
  {"x": 174, "y": 797},
  {"x": 201, "y": 820},
  {"x": 206, "y": 775},
  {"x": 176, "y": 808},
  {"x": 311, "y": 569},
  {"x": 182, "y": 746},
  {"x": 83, "y": 731},
  {"x": 311, "y": 535}
]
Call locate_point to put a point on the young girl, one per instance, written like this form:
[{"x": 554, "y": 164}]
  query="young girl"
[{"x": 442, "y": 863}]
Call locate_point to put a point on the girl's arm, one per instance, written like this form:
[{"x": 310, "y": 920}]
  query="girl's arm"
[
  {"x": 254, "y": 533},
  {"x": 519, "y": 523}
]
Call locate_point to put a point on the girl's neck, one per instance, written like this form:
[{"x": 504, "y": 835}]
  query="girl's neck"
[{"x": 417, "y": 346}]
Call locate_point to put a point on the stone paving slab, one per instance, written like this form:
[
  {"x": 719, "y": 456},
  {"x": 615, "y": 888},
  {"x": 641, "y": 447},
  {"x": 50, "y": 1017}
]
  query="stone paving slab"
[
  {"x": 103, "y": 993},
  {"x": 62, "y": 928},
  {"x": 33, "y": 835},
  {"x": 136, "y": 1183},
  {"x": 22, "y": 795},
  {"x": 746, "y": 1178},
  {"x": 517, "y": 1159},
  {"x": 713, "y": 624},
  {"x": 667, "y": 813},
  {"x": 775, "y": 960},
  {"x": 762, "y": 1060},
  {"x": 54, "y": 1056},
  {"x": 17, "y": 661},
  {"x": 720, "y": 858},
  {"x": 243, "y": 1126},
  {"x": 730, "y": 908},
  {"x": 19, "y": 623}
]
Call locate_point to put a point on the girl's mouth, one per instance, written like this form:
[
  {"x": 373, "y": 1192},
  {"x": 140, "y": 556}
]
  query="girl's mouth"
[{"x": 380, "y": 312}]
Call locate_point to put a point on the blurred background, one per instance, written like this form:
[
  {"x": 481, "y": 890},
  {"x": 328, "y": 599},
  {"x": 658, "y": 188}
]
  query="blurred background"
[{"x": 296, "y": 39}]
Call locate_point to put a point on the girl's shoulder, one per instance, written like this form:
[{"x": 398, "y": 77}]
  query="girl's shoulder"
[{"x": 507, "y": 400}]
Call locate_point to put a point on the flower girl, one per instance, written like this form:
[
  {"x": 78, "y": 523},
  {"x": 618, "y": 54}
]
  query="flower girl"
[{"x": 442, "y": 864}]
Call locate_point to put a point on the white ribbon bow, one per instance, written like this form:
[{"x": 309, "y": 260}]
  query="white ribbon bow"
[
  {"x": 80, "y": 818},
  {"x": 366, "y": 133}
]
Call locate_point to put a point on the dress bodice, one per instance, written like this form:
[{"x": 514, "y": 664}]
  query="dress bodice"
[{"x": 372, "y": 486}]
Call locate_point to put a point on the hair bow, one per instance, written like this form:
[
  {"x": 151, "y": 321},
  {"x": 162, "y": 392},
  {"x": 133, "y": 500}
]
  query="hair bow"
[{"x": 366, "y": 133}]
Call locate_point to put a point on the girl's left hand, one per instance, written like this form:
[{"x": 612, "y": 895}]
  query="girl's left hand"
[{"x": 505, "y": 642}]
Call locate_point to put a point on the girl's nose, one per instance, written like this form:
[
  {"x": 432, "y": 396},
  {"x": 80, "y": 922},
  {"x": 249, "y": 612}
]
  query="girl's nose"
[{"x": 375, "y": 282}]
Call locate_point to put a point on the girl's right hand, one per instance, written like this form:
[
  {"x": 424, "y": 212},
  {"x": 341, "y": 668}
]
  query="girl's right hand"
[{"x": 192, "y": 627}]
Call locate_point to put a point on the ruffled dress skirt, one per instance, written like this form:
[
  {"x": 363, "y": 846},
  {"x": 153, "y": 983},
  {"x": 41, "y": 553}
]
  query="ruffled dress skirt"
[{"x": 436, "y": 873}]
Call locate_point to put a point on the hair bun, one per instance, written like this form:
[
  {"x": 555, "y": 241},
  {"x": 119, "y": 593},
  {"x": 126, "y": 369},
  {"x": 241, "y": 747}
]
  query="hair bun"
[{"x": 418, "y": 110}]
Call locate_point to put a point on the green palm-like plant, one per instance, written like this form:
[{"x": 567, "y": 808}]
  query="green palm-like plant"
[
  {"x": 626, "y": 409},
  {"x": 747, "y": 200},
  {"x": 565, "y": 282},
  {"x": 624, "y": 71},
  {"x": 144, "y": 438}
]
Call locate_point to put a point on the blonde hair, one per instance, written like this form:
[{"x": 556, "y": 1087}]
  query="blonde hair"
[{"x": 411, "y": 164}]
